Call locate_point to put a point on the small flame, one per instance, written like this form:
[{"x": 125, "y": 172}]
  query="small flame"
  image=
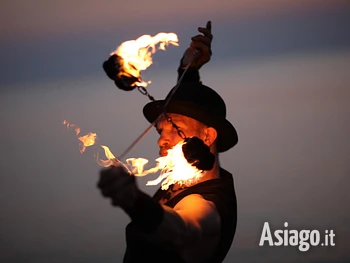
[
  {"x": 137, "y": 164},
  {"x": 110, "y": 157},
  {"x": 173, "y": 168},
  {"x": 86, "y": 140},
  {"x": 90, "y": 140},
  {"x": 137, "y": 54}
]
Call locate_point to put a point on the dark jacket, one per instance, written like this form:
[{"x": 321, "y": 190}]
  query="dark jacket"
[{"x": 221, "y": 192}]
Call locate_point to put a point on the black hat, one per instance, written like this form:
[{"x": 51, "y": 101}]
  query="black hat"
[{"x": 194, "y": 100}]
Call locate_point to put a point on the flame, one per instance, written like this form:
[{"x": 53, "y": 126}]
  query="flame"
[
  {"x": 137, "y": 54},
  {"x": 137, "y": 164},
  {"x": 90, "y": 140},
  {"x": 77, "y": 129},
  {"x": 110, "y": 157},
  {"x": 86, "y": 140},
  {"x": 173, "y": 168}
]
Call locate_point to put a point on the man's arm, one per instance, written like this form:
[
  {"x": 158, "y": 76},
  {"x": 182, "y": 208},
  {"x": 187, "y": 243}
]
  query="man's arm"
[{"x": 190, "y": 220}]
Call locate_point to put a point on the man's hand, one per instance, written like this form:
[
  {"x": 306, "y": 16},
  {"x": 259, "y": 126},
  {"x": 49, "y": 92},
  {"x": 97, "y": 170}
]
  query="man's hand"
[
  {"x": 201, "y": 43},
  {"x": 119, "y": 185}
]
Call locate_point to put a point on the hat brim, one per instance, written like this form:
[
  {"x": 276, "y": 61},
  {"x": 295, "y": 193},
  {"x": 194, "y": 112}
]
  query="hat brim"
[{"x": 227, "y": 134}]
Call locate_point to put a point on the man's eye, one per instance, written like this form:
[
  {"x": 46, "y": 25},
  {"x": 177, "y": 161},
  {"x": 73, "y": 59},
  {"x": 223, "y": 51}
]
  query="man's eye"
[{"x": 176, "y": 130}]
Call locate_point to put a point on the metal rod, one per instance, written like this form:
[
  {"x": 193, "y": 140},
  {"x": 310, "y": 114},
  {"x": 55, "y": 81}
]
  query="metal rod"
[
  {"x": 117, "y": 162},
  {"x": 143, "y": 134},
  {"x": 180, "y": 79},
  {"x": 122, "y": 156}
]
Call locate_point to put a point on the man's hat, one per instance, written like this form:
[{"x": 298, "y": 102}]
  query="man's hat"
[{"x": 194, "y": 100}]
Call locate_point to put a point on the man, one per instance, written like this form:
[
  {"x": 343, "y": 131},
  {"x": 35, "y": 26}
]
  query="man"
[{"x": 191, "y": 224}]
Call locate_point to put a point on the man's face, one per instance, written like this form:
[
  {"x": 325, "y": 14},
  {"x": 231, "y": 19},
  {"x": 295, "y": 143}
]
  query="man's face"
[{"x": 169, "y": 136}]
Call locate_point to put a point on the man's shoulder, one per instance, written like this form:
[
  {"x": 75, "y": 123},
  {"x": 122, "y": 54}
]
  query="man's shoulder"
[
  {"x": 195, "y": 201},
  {"x": 196, "y": 208}
]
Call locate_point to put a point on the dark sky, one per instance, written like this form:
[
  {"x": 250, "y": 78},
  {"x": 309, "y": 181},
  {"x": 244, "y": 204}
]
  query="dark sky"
[{"x": 281, "y": 66}]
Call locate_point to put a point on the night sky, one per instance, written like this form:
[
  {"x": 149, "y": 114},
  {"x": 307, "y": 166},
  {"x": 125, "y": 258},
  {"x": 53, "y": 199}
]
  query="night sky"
[{"x": 283, "y": 68}]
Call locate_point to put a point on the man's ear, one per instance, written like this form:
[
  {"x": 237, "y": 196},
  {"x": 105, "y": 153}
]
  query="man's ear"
[{"x": 210, "y": 136}]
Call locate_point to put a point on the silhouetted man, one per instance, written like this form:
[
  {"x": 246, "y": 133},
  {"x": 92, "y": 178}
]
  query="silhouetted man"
[{"x": 190, "y": 223}]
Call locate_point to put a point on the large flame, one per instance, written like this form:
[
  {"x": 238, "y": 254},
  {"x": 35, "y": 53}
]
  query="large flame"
[
  {"x": 137, "y": 54},
  {"x": 173, "y": 167}
]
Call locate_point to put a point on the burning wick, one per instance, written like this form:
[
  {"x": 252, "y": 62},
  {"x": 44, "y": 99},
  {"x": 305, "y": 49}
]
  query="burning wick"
[
  {"x": 126, "y": 63},
  {"x": 174, "y": 168}
]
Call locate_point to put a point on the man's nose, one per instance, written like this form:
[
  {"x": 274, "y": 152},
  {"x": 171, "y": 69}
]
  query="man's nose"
[{"x": 163, "y": 139}]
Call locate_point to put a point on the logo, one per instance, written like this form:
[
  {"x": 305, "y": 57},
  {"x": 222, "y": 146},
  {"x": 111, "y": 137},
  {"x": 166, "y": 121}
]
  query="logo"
[{"x": 291, "y": 237}]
